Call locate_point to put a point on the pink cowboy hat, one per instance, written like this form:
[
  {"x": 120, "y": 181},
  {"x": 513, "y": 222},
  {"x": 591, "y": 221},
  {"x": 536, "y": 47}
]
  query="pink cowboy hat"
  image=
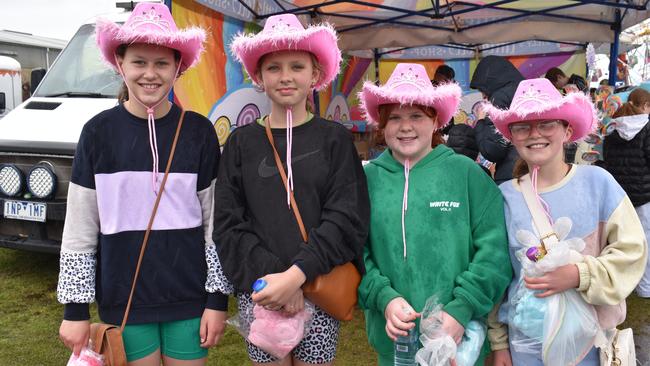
[
  {"x": 409, "y": 84},
  {"x": 285, "y": 32},
  {"x": 153, "y": 24},
  {"x": 537, "y": 99}
]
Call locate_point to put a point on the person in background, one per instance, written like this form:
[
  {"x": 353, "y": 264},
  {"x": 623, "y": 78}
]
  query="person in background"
[
  {"x": 557, "y": 77},
  {"x": 443, "y": 74},
  {"x": 626, "y": 154},
  {"x": 497, "y": 79},
  {"x": 460, "y": 137},
  {"x": 579, "y": 82}
]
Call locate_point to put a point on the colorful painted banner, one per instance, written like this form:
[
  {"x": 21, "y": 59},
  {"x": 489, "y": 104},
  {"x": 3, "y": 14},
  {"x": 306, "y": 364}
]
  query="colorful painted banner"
[{"x": 217, "y": 86}]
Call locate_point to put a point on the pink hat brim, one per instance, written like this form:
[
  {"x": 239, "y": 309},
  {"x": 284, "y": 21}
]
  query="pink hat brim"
[
  {"x": 445, "y": 99},
  {"x": 575, "y": 108},
  {"x": 189, "y": 42},
  {"x": 319, "y": 40}
]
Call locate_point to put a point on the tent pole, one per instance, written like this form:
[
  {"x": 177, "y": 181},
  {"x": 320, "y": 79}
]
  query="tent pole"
[
  {"x": 613, "y": 50},
  {"x": 376, "y": 58}
]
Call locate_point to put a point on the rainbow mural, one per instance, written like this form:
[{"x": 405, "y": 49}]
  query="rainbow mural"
[{"x": 217, "y": 86}]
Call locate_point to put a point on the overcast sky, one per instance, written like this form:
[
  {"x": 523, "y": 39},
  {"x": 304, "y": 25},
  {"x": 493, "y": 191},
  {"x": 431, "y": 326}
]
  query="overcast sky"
[{"x": 50, "y": 18}]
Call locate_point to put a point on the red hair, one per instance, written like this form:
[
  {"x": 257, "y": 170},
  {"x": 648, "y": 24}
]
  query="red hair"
[{"x": 386, "y": 109}]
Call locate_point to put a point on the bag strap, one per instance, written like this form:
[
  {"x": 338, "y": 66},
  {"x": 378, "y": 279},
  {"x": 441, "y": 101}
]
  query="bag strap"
[
  {"x": 548, "y": 235},
  {"x": 278, "y": 163},
  {"x": 153, "y": 215}
]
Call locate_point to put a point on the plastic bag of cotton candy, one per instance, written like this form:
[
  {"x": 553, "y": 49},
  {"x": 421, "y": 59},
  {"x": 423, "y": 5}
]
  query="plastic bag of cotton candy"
[
  {"x": 562, "y": 326},
  {"x": 439, "y": 348},
  {"x": 275, "y": 332},
  {"x": 86, "y": 357}
]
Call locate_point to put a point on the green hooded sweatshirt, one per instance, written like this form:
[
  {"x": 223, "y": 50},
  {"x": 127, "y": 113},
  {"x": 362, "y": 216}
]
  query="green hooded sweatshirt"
[{"x": 455, "y": 241}]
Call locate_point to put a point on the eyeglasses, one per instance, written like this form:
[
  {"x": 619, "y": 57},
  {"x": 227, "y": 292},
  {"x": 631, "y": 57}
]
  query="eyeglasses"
[{"x": 522, "y": 130}]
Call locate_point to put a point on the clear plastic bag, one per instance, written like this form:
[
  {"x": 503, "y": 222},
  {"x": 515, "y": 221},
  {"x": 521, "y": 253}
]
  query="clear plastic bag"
[
  {"x": 526, "y": 314},
  {"x": 87, "y": 357},
  {"x": 561, "y": 327},
  {"x": 469, "y": 349},
  {"x": 275, "y": 332},
  {"x": 570, "y": 329},
  {"x": 438, "y": 348}
]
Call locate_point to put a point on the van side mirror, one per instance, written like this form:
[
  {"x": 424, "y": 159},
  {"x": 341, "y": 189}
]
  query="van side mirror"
[
  {"x": 3, "y": 102},
  {"x": 37, "y": 76}
]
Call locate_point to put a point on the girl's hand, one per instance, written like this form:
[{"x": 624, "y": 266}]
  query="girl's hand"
[
  {"x": 296, "y": 303},
  {"x": 502, "y": 358},
  {"x": 75, "y": 334},
  {"x": 280, "y": 288},
  {"x": 400, "y": 318},
  {"x": 562, "y": 279},
  {"x": 213, "y": 324},
  {"x": 452, "y": 327}
]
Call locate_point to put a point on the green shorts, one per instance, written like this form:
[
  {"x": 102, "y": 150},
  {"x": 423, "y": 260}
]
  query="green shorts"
[{"x": 176, "y": 339}]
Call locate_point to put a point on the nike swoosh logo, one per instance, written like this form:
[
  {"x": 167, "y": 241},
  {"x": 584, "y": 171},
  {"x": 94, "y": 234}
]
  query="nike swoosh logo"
[{"x": 265, "y": 170}]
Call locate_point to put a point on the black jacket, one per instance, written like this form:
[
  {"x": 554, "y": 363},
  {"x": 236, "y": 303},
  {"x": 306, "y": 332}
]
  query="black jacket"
[
  {"x": 629, "y": 163},
  {"x": 255, "y": 232},
  {"x": 462, "y": 140},
  {"x": 497, "y": 78}
]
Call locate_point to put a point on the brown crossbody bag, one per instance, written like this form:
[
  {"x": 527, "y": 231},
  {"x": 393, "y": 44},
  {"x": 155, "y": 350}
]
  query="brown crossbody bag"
[
  {"x": 107, "y": 338},
  {"x": 334, "y": 292}
]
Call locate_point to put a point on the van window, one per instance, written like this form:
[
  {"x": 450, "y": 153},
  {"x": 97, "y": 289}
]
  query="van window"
[{"x": 80, "y": 71}]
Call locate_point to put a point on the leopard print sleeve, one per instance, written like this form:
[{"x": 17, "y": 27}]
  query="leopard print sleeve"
[{"x": 216, "y": 280}]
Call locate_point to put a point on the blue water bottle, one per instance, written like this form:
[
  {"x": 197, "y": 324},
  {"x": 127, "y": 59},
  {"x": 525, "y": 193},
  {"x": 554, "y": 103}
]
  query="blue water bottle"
[{"x": 406, "y": 347}]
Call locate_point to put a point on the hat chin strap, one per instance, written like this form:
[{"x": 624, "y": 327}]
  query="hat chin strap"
[
  {"x": 151, "y": 122},
  {"x": 289, "y": 121},
  {"x": 405, "y": 200},
  {"x": 288, "y": 158}
]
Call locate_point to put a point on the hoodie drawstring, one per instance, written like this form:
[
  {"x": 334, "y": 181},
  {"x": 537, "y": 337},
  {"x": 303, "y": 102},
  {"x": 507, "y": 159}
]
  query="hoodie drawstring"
[
  {"x": 288, "y": 158},
  {"x": 407, "y": 167},
  {"x": 545, "y": 206},
  {"x": 151, "y": 123}
]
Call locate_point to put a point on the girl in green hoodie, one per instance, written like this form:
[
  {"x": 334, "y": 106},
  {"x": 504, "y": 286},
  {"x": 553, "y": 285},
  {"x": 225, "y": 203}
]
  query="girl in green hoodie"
[{"x": 436, "y": 226}]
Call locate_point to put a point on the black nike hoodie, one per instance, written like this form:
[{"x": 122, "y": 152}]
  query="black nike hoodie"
[{"x": 255, "y": 231}]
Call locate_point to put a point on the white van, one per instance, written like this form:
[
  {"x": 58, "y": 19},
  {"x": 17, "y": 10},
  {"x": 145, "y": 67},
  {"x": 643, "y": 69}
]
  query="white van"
[
  {"x": 38, "y": 140},
  {"x": 10, "y": 88}
]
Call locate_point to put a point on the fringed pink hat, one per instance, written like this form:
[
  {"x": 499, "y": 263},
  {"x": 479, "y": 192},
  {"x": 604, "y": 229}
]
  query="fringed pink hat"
[
  {"x": 410, "y": 84},
  {"x": 537, "y": 99},
  {"x": 153, "y": 24},
  {"x": 283, "y": 33}
]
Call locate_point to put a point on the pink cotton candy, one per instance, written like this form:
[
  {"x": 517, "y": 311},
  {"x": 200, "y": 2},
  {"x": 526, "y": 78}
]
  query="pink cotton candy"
[
  {"x": 275, "y": 332},
  {"x": 86, "y": 358}
]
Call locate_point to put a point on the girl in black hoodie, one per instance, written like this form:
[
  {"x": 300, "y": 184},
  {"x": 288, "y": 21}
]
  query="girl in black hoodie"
[{"x": 627, "y": 158}]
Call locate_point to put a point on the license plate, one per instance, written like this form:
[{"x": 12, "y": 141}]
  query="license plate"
[{"x": 22, "y": 210}]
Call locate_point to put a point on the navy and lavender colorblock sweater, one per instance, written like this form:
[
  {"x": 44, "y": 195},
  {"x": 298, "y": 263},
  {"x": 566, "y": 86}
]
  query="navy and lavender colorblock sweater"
[{"x": 110, "y": 199}]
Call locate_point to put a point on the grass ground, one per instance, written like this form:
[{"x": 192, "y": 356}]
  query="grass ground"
[{"x": 30, "y": 318}]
